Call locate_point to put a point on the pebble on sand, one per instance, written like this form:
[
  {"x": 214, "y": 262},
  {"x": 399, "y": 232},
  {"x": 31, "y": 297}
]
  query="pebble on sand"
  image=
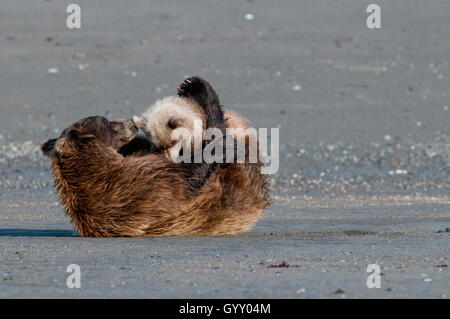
[
  {"x": 83, "y": 66},
  {"x": 249, "y": 17},
  {"x": 301, "y": 291},
  {"x": 53, "y": 71}
]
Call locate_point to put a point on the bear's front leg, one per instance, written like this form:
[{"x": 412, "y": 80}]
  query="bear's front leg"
[{"x": 206, "y": 97}]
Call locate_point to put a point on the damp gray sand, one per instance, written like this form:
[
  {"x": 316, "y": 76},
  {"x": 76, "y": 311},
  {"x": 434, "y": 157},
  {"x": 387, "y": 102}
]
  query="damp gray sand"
[{"x": 364, "y": 144}]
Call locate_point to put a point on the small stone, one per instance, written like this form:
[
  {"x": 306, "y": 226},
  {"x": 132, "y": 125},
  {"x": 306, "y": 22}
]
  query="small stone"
[
  {"x": 249, "y": 17},
  {"x": 296, "y": 87},
  {"x": 53, "y": 71},
  {"x": 81, "y": 67},
  {"x": 79, "y": 55},
  {"x": 331, "y": 147},
  {"x": 428, "y": 280},
  {"x": 301, "y": 291}
]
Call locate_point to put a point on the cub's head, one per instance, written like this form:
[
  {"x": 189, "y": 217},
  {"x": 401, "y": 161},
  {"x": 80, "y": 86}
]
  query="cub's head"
[
  {"x": 168, "y": 115},
  {"x": 98, "y": 129}
]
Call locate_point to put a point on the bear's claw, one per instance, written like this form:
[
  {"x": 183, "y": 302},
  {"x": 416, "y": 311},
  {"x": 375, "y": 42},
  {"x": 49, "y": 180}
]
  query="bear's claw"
[{"x": 193, "y": 87}]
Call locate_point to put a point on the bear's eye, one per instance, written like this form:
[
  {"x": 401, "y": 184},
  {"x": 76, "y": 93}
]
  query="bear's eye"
[{"x": 174, "y": 123}]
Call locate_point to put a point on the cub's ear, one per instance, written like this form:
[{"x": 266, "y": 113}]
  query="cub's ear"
[
  {"x": 48, "y": 147},
  {"x": 175, "y": 122},
  {"x": 138, "y": 121}
]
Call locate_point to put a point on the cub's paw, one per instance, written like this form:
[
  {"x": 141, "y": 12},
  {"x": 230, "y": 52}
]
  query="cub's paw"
[
  {"x": 193, "y": 87},
  {"x": 204, "y": 95}
]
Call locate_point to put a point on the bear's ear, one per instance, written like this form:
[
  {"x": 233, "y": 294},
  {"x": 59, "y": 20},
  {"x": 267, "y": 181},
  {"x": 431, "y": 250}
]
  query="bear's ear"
[
  {"x": 75, "y": 135},
  {"x": 48, "y": 147},
  {"x": 69, "y": 144},
  {"x": 175, "y": 122}
]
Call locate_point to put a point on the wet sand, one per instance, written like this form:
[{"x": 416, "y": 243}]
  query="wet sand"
[{"x": 364, "y": 144}]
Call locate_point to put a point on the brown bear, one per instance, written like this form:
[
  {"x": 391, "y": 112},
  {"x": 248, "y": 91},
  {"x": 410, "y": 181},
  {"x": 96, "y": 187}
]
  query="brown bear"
[{"x": 107, "y": 194}]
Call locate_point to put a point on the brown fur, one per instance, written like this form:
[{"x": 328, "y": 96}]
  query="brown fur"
[{"x": 108, "y": 195}]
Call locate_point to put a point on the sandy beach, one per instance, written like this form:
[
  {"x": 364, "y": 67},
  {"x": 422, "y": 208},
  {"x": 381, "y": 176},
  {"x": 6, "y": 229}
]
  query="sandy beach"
[{"x": 364, "y": 122}]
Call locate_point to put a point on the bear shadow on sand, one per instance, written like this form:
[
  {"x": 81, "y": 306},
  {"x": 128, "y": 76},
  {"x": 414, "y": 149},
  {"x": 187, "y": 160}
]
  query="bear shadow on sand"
[{"x": 15, "y": 232}]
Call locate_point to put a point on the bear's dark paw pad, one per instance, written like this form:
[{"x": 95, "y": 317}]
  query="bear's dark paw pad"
[{"x": 192, "y": 87}]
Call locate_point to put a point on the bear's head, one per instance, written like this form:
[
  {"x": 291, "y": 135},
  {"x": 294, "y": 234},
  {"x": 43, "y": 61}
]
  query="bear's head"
[{"x": 95, "y": 129}]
